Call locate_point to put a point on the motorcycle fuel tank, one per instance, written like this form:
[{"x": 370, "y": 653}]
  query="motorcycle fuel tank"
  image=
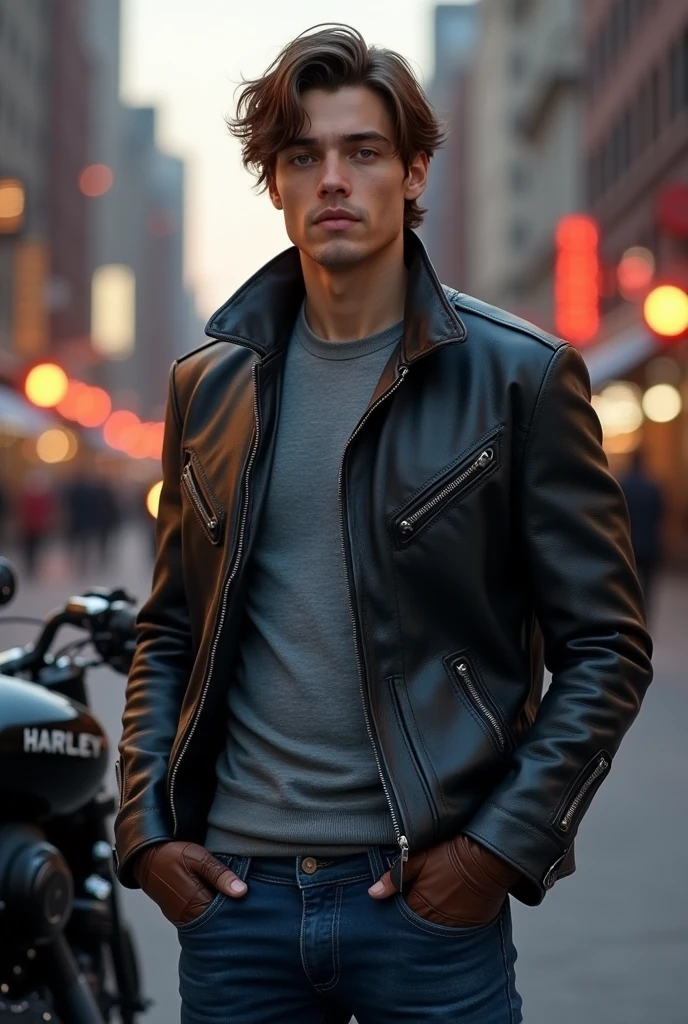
[{"x": 53, "y": 752}]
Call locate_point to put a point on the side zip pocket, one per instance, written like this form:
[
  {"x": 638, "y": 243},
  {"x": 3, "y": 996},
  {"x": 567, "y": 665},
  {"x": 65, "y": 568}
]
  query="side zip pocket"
[
  {"x": 466, "y": 677},
  {"x": 582, "y": 792},
  {"x": 204, "y": 505},
  {"x": 119, "y": 775}
]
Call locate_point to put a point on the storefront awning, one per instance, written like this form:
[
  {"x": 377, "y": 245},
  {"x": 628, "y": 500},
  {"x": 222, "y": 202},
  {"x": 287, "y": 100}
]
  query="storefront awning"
[
  {"x": 615, "y": 357},
  {"x": 19, "y": 418}
]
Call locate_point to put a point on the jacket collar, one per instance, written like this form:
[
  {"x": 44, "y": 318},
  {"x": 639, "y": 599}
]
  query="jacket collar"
[{"x": 262, "y": 313}]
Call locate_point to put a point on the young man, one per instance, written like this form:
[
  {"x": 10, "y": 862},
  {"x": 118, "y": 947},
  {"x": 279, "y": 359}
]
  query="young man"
[{"x": 385, "y": 505}]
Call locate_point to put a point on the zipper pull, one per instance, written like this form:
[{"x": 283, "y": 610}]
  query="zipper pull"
[{"x": 396, "y": 872}]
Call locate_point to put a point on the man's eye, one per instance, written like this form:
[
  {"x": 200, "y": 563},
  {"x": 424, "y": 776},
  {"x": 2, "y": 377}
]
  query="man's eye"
[
  {"x": 366, "y": 152},
  {"x": 302, "y": 156}
]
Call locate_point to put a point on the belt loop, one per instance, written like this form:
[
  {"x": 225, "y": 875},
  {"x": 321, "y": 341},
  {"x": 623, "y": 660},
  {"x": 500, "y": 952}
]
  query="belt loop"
[
  {"x": 240, "y": 866},
  {"x": 377, "y": 867}
]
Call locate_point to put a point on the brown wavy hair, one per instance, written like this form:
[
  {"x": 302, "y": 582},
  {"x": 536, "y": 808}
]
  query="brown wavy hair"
[{"x": 270, "y": 115}]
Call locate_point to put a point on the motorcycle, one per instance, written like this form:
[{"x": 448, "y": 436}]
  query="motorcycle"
[{"x": 66, "y": 954}]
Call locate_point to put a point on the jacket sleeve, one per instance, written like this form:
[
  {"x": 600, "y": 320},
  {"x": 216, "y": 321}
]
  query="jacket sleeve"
[
  {"x": 159, "y": 675},
  {"x": 589, "y": 606}
]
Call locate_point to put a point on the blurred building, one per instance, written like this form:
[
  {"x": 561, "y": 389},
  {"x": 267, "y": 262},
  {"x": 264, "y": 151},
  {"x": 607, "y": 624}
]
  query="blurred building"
[
  {"x": 444, "y": 229},
  {"x": 636, "y": 149},
  {"x": 25, "y": 85},
  {"x": 525, "y": 145},
  {"x": 137, "y": 237},
  {"x": 68, "y": 295},
  {"x": 636, "y": 137},
  {"x": 91, "y": 236}
]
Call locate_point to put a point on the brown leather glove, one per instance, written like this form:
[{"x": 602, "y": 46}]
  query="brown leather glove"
[
  {"x": 183, "y": 879},
  {"x": 458, "y": 883}
]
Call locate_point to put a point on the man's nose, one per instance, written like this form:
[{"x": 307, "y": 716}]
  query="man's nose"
[{"x": 334, "y": 179}]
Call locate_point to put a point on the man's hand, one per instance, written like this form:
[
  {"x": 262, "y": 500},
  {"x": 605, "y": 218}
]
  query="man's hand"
[
  {"x": 458, "y": 883},
  {"x": 183, "y": 879}
]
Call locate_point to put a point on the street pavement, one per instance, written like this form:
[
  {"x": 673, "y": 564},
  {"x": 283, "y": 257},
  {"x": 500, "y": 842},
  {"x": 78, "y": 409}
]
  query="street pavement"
[{"x": 609, "y": 944}]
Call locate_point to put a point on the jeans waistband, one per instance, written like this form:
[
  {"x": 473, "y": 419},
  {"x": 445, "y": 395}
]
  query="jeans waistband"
[{"x": 305, "y": 871}]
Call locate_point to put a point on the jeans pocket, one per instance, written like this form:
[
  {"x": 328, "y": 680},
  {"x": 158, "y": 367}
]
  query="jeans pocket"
[
  {"x": 209, "y": 912},
  {"x": 443, "y": 930}
]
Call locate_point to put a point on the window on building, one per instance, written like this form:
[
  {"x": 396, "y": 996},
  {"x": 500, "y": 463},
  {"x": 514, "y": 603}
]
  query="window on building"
[
  {"x": 617, "y": 152},
  {"x": 615, "y": 39},
  {"x": 517, "y": 64},
  {"x": 592, "y": 185},
  {"x": 624, "y": 21},
  {"x": 626, "y": 140},
  {"x": 641, "y": 105},
  {"x": 655, "y": 104},
  {"x": 674, "y": 80},
  {"x": 518, "y": 234},
  {"x": 604, "y": 171},
  {"x": 518, "y": 178}
]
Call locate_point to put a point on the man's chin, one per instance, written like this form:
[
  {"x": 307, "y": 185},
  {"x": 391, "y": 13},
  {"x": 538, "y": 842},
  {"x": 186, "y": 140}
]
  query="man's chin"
[{"x": 337, "y": 254}]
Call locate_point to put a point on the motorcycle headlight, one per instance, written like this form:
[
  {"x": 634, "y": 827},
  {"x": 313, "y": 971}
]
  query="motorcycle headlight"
[{"x": 36, "y": 885}]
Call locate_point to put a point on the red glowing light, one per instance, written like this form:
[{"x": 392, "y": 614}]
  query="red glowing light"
[
  {"x": 577, "y": 278},
  {"x": 95, "y": 180},
  {"x": 635, "y": 272}
]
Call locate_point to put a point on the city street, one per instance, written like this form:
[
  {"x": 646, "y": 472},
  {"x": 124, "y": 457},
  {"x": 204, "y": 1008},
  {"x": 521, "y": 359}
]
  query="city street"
[{"x": 609, "y": 944}]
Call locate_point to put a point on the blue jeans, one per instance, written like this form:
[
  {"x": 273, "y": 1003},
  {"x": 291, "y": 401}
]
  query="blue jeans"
[{"x": 315, "y": 948}]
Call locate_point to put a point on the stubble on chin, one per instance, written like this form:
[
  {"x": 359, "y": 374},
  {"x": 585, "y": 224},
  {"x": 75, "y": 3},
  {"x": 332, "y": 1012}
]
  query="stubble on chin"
[{"x": 337, "y": 256}]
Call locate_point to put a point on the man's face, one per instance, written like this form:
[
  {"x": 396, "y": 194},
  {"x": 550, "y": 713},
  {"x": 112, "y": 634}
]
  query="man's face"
[{"x": 344, "y": 163}]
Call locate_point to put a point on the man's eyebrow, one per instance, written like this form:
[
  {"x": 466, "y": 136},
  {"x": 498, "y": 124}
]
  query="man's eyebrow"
[{"x": 309, "y": 142}]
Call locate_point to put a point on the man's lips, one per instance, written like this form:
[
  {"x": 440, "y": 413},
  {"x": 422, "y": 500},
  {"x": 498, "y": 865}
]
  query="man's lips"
[{"x": 336, "y": 219}]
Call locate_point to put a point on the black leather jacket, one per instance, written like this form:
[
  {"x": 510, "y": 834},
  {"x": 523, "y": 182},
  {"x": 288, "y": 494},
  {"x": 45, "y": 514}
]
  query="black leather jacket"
[{"x": 483, "y": 536}]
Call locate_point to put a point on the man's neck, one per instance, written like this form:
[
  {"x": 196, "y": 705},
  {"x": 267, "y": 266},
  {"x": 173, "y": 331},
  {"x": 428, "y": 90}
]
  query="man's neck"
[{"x": 358, "y": 301}]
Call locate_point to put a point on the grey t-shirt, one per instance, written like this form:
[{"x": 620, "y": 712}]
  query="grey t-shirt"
[{"x": 297, "y": 773}]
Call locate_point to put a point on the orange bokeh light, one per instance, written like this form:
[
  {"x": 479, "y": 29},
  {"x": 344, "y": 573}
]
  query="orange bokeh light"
[
  {"x": 68, "y": 406},
  {"x": 87, "y": 406},
  {"x": 93, "y": 406},
  {"x": 134, "y": 441},
  {"x": 119, "y": 429},
  {"x": 95, "y": 180}
]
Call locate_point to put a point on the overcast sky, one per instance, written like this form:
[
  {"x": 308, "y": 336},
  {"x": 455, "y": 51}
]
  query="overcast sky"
[{"x": 186, "y": 57}]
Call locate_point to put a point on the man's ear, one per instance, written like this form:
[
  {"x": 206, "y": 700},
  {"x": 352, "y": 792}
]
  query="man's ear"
[
  {"x": 273, "y": 192},
  {"x": 417, "y": 177}
]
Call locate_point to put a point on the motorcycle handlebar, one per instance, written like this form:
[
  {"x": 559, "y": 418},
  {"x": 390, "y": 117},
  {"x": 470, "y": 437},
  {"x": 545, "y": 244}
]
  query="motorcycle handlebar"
[{"x": 109, "y": 616}]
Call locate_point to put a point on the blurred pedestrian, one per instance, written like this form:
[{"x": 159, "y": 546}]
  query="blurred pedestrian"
[
  {"x": 81, "y": 511},
  {"x": 107, "y": 518},
  {"x": 36, "y": 510},
  {"x": 646, "y": 505}
]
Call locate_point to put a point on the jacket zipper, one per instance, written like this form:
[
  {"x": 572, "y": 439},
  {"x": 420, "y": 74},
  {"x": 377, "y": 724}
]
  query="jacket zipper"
[
  {"x": 402, "y": 841},
  {"x": 565, "y": 821},
  {"x": 464, "y": 673},
  {"x": 408, "y": 525},
  {"x": 225, "y": 596},
  {"x": 118, "y": 776},
  {"x": 202, "y": 506}
]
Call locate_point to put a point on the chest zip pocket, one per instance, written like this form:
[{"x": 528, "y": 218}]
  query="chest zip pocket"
[
  {"x": 205, "y": 507},
  {"x": 415, "y": 516}
]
